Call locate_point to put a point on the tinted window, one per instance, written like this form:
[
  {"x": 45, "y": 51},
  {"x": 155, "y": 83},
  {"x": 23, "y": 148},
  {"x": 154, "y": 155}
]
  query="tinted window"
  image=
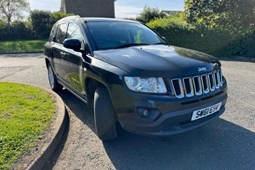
[
  {"x": 52, "y": 33},
  {"x": 61, "y": 33},
  {"x": 73, "y": 31},
  {"x": 109, "y": 35}
]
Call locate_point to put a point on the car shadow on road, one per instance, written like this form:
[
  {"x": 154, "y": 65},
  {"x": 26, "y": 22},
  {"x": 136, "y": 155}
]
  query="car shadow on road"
[
  {"x": 79, "y": 108},
  {"x": 218, "y": 145}
]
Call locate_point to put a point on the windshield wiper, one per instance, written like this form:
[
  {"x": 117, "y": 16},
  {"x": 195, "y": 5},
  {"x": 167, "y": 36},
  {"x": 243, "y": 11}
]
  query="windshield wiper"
[
  {"x": 130, "y": 45},
  {"x": 161, "y": 43}
]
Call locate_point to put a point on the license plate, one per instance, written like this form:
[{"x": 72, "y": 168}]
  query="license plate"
[{"x": 198, "y": 114}]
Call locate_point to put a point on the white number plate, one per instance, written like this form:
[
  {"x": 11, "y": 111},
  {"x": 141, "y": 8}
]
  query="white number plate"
[{"x": 198, "y": 114}]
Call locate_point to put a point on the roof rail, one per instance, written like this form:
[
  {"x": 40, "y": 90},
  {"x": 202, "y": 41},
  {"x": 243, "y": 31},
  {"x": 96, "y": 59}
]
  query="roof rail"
[
  {"x": 72, "y": 16},
  {"x": 69, "y": 17}
]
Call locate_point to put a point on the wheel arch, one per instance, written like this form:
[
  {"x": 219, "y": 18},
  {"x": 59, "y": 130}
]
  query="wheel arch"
[
  {"x": 90, "y": 86},
  {"x": 47, "y": 62}
]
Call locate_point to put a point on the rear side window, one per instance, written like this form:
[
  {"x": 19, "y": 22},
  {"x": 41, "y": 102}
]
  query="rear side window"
[
  {"x": 52, "y": 33},
  {"x": 61, "y": 33},
  {"x": 74, "y": 32}
]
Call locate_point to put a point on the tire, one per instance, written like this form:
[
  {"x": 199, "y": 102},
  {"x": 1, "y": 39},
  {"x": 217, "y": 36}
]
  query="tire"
[
  {"x": 104, "y": 115},
  {"x": 54, "y": 85}
]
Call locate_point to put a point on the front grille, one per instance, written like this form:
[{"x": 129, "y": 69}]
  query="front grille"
[{"x": 197, "y": 85}]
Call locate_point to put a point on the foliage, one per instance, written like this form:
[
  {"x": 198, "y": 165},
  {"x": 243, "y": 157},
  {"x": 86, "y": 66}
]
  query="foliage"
[
  {"x": 149, "y": 14},
  {"x": 22, "y": 46},
  {"x": 25, "y": 114},
  {"x": 238, "y": 14},
  {"x": 41, "y": 23},
  {"x": 215, "y": 41},
  {"x": 10, "y": 9},
  {"x": 203, "y": 11},
  {"x": 37, "y": 27},
  {"x": 55, "y": 16},
  {"x": 218, "y": 27},
  {"x": 170, "y": 21},
  {"x": 18, "y": 30}
]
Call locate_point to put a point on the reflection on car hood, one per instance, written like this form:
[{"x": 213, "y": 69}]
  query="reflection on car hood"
[{"x": 158, "y": 60}]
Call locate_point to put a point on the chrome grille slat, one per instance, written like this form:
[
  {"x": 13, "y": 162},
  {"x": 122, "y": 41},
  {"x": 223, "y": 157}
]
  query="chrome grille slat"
[
  {"x": 213, "y": 82},
  {"x": 205, "y": 82},
  {"x": 197, "y": 85},
  {"x": 221, "y": 79},
  {"x": 188, "y": 87},
  {"x": 217, "y": 80},
  {"x": 178, "y": 91}
]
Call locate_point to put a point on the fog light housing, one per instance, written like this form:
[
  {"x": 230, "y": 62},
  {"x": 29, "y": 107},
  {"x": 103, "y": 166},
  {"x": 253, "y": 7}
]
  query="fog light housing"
[
  {"x": 147, "y": 113},
  {"x": 143, "y": 112}
]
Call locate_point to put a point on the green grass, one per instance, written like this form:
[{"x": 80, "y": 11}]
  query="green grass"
[
  {"x": 22, "y": 46},
  {"x": 25, "y": 114}
]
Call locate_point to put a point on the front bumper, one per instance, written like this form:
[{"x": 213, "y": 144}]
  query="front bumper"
[{"x": 166, "y": 115}]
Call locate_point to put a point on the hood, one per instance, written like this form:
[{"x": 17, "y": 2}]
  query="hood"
[{"x": 158, "y": 60}]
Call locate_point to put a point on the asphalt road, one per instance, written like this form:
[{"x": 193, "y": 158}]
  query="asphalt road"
[{"x": 225, "y": 143}]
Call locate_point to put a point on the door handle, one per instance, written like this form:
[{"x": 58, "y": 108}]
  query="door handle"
[{"x": 63, "y": 54}]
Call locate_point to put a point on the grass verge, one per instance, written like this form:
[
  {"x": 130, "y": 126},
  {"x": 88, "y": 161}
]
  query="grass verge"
[
  {"x": 25, "y": 114},
  {"x": 22, "y": 46}
]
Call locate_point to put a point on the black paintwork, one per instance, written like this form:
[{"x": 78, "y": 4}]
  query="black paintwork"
[
  {"x": 157, "y": 60},
  {"x": 78, "y": 72}
]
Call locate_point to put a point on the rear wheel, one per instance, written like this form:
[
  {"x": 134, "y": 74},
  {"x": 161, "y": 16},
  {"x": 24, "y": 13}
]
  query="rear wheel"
[
  {"x": 104, "y": 115},
  {"x": 55, "y": 86}
]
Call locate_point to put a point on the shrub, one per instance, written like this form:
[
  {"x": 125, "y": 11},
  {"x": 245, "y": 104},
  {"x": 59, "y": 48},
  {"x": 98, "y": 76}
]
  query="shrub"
[
  {"x": 17, "y": 31},
  {"x": 215, "y": 41},
  {"x": 41, "y": 23},
  {"x": 149, "y": 14},
  {"x": 55, "y": 16}
]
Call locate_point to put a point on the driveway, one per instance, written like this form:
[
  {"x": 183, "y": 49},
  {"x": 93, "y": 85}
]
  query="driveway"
[{"x": 225, "y": 143}]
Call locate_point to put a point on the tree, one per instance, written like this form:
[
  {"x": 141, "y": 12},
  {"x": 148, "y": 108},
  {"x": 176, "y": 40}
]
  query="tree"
[
  {"x": 221, "y": 13},
  {"x": 240, "y": 14},
  {"x": 149, "y": 14},
  {"x": 41, "y": 23},
  {"x": 10, "y": 9},
  {"x": 55, "y": 16},
  {"x": 203, "y": 11}
]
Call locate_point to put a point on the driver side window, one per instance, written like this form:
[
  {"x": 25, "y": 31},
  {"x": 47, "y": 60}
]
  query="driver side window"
[
  {"x": 61, "y": 33},
  {"x": 74, "y": 32}
]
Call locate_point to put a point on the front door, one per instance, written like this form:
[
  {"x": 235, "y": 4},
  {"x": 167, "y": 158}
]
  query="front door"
[{"x": 72, "y": 60}]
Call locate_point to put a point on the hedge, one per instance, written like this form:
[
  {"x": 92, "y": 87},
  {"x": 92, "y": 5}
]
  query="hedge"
[
  {"x": 37, "y": 27},
  {"x": 17, "y": 31},
  {"x": 215, "y": 41}
]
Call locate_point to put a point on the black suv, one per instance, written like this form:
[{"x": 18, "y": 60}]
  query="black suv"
[{"x": 130, "y": 75}]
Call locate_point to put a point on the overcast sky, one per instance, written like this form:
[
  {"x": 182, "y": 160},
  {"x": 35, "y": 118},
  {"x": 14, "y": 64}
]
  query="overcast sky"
[{"x": 123, "y": 8}]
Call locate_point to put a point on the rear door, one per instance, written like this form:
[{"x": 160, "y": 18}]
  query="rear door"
[{"x": 59, "y": 50}]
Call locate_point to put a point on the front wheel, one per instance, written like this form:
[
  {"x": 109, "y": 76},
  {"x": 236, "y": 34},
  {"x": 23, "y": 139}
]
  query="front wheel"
[
  {"x": 55, "y": 86},
  {"x": 104, "y": 115}
]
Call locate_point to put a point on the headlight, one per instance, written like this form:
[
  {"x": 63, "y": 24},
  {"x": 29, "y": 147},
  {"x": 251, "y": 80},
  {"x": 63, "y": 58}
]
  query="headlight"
[{"x": 146, "y": 85}]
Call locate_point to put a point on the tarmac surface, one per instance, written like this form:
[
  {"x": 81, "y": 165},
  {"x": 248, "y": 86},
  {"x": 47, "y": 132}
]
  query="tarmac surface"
[{"x": 226, "y": 143}]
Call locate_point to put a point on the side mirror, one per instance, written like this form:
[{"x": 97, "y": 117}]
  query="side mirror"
[{"x": 73, "y": 44}]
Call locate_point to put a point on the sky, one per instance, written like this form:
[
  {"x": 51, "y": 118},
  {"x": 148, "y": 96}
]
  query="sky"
[{"x": 123, "y": 8}]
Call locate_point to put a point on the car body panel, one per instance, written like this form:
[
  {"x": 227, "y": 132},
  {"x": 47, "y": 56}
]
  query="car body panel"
[
  {"x": 167, "y": 113},
  {"x": 157, "y": 60}
]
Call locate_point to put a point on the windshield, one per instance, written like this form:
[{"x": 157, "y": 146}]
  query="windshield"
[{"x": 112, "y": 35}]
